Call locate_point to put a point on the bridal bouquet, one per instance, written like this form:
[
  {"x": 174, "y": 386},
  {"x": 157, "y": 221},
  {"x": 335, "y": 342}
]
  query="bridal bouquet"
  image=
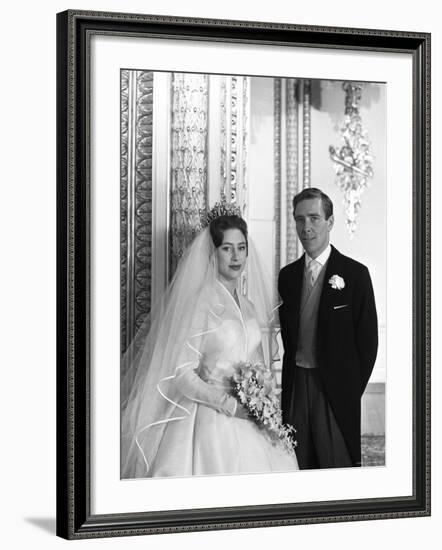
[{"x": 255, "y": 387}]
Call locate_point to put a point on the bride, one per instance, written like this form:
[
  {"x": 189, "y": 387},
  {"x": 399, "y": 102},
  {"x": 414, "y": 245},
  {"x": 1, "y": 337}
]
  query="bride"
[{"x": 179, "y": 414}]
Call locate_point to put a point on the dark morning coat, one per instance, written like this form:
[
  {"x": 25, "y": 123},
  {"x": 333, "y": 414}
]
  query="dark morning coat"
[{"x": 347, "y": 340}]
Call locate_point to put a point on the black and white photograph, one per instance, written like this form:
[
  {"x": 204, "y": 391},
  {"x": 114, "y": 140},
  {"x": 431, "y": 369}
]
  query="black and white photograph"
[
  {"x": 253, "y": 274},
  {"x": 221, "y": 266},
  {"x": 243, "y": 274}
]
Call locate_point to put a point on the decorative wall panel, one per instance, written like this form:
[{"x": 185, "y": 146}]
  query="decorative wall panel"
[
  {"x": 124, "y": 98},
  {"x": 136, "y": 200},
  {"x": 306, "y": 134},
  {"x": 292, "y": 120},
  {"x": 224, "y": 125},
  {"x": 292, "y": 166},
  {"x": 234, "y": 130},
  {"x": 233, "y": 157},
  {"x": 234, "y": 143},
  {"x": 277, "y": 168},
  {"x": 353, "y": 160},
  {"x": 188, "y": 160},
  {"x": 242, "y": 187}
]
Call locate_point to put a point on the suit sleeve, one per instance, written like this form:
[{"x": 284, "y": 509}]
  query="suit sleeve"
[
  {"x": 280, "y": 284},
  {"x": 366, "y": 323},
  {"x": 282, "y": 320}
]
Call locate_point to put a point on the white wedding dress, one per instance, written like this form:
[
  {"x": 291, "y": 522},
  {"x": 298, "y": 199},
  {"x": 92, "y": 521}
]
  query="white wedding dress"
[{"x": 205, "y": 437}]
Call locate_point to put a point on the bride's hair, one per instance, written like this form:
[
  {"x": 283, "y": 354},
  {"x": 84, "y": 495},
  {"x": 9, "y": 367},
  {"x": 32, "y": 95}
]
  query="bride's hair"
[{"x": 223, "y": 223}]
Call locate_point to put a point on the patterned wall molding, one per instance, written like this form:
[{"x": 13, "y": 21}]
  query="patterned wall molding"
[
  {"x": 136, "y": 200},
  {"x": 286, "y": 167},
  {"x": 245, "y": 117},
  {"x": 188, "y": 159},
  {"x": 306, "y": 134},
  {"x": 277, "y": 170},
  {"x": 124, "y": 144},
  {"x": 234, "y": 131},
  {"x": 234, "y": 144},
  {"x": 224, "y": 125},
  {"x": 292, "y": 166}
]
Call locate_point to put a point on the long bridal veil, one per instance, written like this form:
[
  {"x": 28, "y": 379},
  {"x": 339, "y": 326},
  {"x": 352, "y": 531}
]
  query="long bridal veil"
[{"x": 169, "y": 342}]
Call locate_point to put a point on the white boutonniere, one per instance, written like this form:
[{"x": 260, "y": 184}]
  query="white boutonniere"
[{"x": 337, "y": 282}]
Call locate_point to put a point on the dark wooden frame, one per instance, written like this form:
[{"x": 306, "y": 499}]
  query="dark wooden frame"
[{"x": 74, "y": 519}]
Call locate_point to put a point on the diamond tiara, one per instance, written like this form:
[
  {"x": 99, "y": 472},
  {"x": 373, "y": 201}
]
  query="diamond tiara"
[{"x": 220, "y": 209}]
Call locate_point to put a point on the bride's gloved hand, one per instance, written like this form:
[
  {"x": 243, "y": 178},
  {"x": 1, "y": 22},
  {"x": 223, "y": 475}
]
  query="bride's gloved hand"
[
  {"x": 242, "y": 412},
  {"x": 194, "y": 388}
]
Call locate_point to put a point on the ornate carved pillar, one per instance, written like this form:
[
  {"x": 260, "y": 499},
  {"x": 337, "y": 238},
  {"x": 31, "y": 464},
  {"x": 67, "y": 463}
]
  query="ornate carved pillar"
[
  {"x": 277, "y": 168},
  {"x": 188, "y": 159},
  {"x": 306, "y": 134},
  {"x": 234, "y": 139},
  {"x": 286, "y": 124},
  {"x": 292, "y": 167},
  {"x": 292, "y": 116},
  {"x": 224, "y": 130},
  {"x": 234, "y": 130},
  {"x": 136, "y": 200}
]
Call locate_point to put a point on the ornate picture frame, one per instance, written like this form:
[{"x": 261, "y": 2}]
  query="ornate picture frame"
[{"x": 76, "y": 517}]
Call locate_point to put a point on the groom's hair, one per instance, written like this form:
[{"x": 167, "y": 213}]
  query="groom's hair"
[
  {"x": 314, "y": 193},
  {"x": 222, "y": 223}
]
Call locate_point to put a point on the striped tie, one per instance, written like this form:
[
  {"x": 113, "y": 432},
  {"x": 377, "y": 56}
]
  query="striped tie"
[{"x": 312, "y": 274}]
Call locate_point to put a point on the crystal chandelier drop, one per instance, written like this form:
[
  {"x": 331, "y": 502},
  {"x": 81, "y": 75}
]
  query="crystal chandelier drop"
[{"x": 353, "y": 160}]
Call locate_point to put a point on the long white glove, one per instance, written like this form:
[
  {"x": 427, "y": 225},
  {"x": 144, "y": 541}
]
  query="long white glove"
[{"x": 194, "y": 388}]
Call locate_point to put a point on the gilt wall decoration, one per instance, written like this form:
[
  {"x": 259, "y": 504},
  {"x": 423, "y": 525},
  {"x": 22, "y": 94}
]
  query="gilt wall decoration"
[{"x": 353, "y": 160}]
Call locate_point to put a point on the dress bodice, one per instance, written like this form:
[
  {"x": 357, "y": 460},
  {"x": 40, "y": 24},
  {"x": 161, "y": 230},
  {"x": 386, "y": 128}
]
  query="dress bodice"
[{"x": 233, "y": 336}]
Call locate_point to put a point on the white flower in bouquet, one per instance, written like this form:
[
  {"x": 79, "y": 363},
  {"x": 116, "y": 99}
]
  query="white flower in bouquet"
[{"x": 255, "y": 387}]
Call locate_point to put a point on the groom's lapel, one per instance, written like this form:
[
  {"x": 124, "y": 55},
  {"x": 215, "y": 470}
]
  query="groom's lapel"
[
  {"x": 328, "y": 294},
  {"x": 297, "y": 282}
]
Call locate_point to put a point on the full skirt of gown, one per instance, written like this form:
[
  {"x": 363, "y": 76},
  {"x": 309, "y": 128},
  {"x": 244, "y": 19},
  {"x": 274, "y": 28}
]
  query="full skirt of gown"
[{"x": 209, "y": 442}]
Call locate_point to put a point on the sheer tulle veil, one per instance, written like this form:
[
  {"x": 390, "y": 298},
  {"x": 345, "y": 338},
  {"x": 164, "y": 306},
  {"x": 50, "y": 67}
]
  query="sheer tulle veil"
[{"x": 168, "y": 342}]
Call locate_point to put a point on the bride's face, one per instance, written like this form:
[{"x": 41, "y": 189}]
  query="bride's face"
[{"x": 232, "y": 254}]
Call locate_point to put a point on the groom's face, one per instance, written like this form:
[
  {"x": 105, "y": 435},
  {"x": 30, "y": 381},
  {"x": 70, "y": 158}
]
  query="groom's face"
[{"x": 312, "y": 227}]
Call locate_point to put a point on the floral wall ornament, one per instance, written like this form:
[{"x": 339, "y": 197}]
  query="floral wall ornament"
[{"x": 353, "y": 161}]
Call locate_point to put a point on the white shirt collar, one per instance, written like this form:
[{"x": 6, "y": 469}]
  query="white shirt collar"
[{"x": 322, "y": 258}]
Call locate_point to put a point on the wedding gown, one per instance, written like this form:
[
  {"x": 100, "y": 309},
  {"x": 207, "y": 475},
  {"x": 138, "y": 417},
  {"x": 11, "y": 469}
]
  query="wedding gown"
[{"x": 206, "y": 438}]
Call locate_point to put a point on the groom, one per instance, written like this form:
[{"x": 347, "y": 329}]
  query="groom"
[{"x": 330, "y": 335}]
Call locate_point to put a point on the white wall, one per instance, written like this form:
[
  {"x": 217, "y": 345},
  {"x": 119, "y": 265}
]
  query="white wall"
[
  {"x": 261, "y": 169},
  {"x": 28, "y": 275}
]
